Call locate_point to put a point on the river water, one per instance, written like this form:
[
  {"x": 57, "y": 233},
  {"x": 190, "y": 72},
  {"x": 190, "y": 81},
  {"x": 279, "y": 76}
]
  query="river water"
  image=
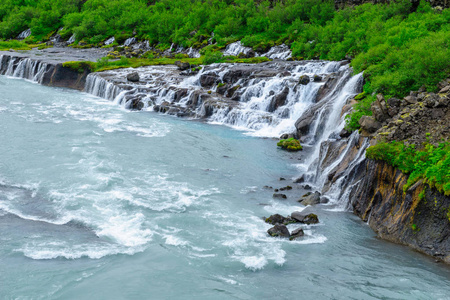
[{"x": 98, "y": 202}]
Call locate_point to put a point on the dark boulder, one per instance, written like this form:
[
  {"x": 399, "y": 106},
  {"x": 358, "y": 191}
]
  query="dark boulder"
[
  {"x": 279, "y": 196},
  {"x": 307, "y": 218},
  {"x": 279, "y": 230},
  {"x": 276, "y": 219},
  {"x": 208, "y": 80},
  {"x": 317, "y": 78},
  {"x": 278, "y": 100},
  {"x": 182, "y": 66},
  {"x": 296, "y": 233},
  {"x": 133, "y": 77},
  {"x": 304, "y": 79},
  {"x": 312, "y": 199}
]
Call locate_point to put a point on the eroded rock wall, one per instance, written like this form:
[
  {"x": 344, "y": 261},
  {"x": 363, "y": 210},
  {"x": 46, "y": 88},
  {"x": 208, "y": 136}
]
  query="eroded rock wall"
[{"x": 417, "y": 218}]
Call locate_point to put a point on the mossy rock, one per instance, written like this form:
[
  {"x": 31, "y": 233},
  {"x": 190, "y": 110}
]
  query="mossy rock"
[
  {"x": 290, "y": 144},
  {"x": 360, "y": 96}
]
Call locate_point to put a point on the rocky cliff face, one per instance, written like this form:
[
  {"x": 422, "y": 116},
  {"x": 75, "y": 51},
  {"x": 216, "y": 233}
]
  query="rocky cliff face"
[
  {"x": 420, "y": 216},
  {"x": 417, "y": 218}
]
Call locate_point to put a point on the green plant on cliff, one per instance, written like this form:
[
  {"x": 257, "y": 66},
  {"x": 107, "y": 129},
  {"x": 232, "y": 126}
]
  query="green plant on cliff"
[
  {"x": 290, "y": 144},
  {"x": 432, "y": 163}
]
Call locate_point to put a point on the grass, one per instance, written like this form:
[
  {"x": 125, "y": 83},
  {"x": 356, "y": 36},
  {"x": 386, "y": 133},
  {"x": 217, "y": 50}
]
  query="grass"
[
  {"x": 105, "y": 64},
  {"x": 16, "y": 45}
]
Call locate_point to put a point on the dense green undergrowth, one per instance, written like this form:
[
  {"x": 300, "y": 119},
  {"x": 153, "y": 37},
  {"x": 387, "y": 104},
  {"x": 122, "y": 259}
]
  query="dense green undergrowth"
[
  {"x": 430, "y": 163},
  {"x": 399, "y": 47}
]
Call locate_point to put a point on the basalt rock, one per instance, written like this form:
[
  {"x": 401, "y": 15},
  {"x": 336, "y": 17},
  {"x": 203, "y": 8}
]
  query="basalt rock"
[
  {"x": 296, "y": 233},
  {"x": 417, "y": 218},
  {"x": 279, "y": 196},
  {"x": 311, "y": 199},
  {"x": 133, "y": 77},
  {"x": 279, "y": 230},
  {"x": 306, "y": 218}
]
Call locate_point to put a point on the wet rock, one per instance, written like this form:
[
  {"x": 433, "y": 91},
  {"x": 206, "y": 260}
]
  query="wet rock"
[
  {"x": 208, "y": 80},
  {"x": 279, "y": 219},
  {"x": 296, "y": 233},
  {"x": 312, "y": 199},
  {"x": 133, "y": 77},
  {"x": 282, "y": 178},
  {"x": 267, "y": 187},
  {"x": 278, "y": 100},
  {"x": 344, "y": 133},
  {"x": 306, "y": 218},
  {"x": 182, "y": 66},
  {"x": 324, "y": 200},
  {"x": 179, "y": 94},
  {"x": 221, "y": 89},
  {"x": 279, "y": 230},
  {"x": 304, "y": 79},
  {"x": 286, "y": 188},
  {"x": 307, "y": 187},
  {"x": 317, "y": 78},
  {"x": 279, "y": 196},
  {"x": 300, "y": 179}
]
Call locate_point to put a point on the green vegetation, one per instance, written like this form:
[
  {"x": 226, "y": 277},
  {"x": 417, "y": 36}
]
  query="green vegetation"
[
  {"x": 105, "y": 63},
  {"x": 13, "y": 44},
  {"x": 398, "y": 46},
  {"x": 432, "y": 164},
  {"x": 290, "y": 144}
]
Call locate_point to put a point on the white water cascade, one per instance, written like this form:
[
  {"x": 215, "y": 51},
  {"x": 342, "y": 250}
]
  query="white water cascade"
[
  {"x": 26, "y": 68},
  {"x": 24, "y": 34}
]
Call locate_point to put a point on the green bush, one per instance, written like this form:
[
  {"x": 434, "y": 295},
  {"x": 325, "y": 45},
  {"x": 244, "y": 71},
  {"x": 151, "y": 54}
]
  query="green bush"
[
  {"x": 290, "y": 144},
  {"x": 212, "y": 57}
]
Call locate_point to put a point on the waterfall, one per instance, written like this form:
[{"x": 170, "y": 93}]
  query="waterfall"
[
  {"x": 26, "y": 68},
  {"x": 24, "y": 34},
  {"x": 71, "y": 39},
  {"x": 110, "y": 41},
  {"x": 235, "y": 49}
]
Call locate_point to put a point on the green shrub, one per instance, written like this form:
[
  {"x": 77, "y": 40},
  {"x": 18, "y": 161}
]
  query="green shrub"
[
  {"x": 212, "y": 57},
  {"x": 432, "y": 163},
  {"x": 290, "y": 144}
]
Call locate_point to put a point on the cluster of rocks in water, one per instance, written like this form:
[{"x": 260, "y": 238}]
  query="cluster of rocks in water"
[{"x": 280, "y": 229}]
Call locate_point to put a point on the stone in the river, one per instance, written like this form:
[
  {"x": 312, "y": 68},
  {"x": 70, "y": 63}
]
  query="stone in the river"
[
  {"x": 182, "y": 66},
  {"x": 275, "y": 219},
  {"x": 279, "y": 230},
  {"x": 307, "y": 218},
  {"x": 324, "y": 200},
  {"x": 279, "y": 196},
  {"x": 300, "y": 179},
  {"x": 286, "y": 188},
  {"x": 133, "y": 77},
  {"x": 312, "y": 199},
  {"x": 307, "y": 187},
  {"x": 296, "y": 233},
  {"x": 304, "y": 79}
]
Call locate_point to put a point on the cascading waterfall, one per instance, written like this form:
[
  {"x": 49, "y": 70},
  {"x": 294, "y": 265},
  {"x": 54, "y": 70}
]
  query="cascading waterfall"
[
  {"x": 26, "y": 68},
  {"x": 253, "y": 107}
]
